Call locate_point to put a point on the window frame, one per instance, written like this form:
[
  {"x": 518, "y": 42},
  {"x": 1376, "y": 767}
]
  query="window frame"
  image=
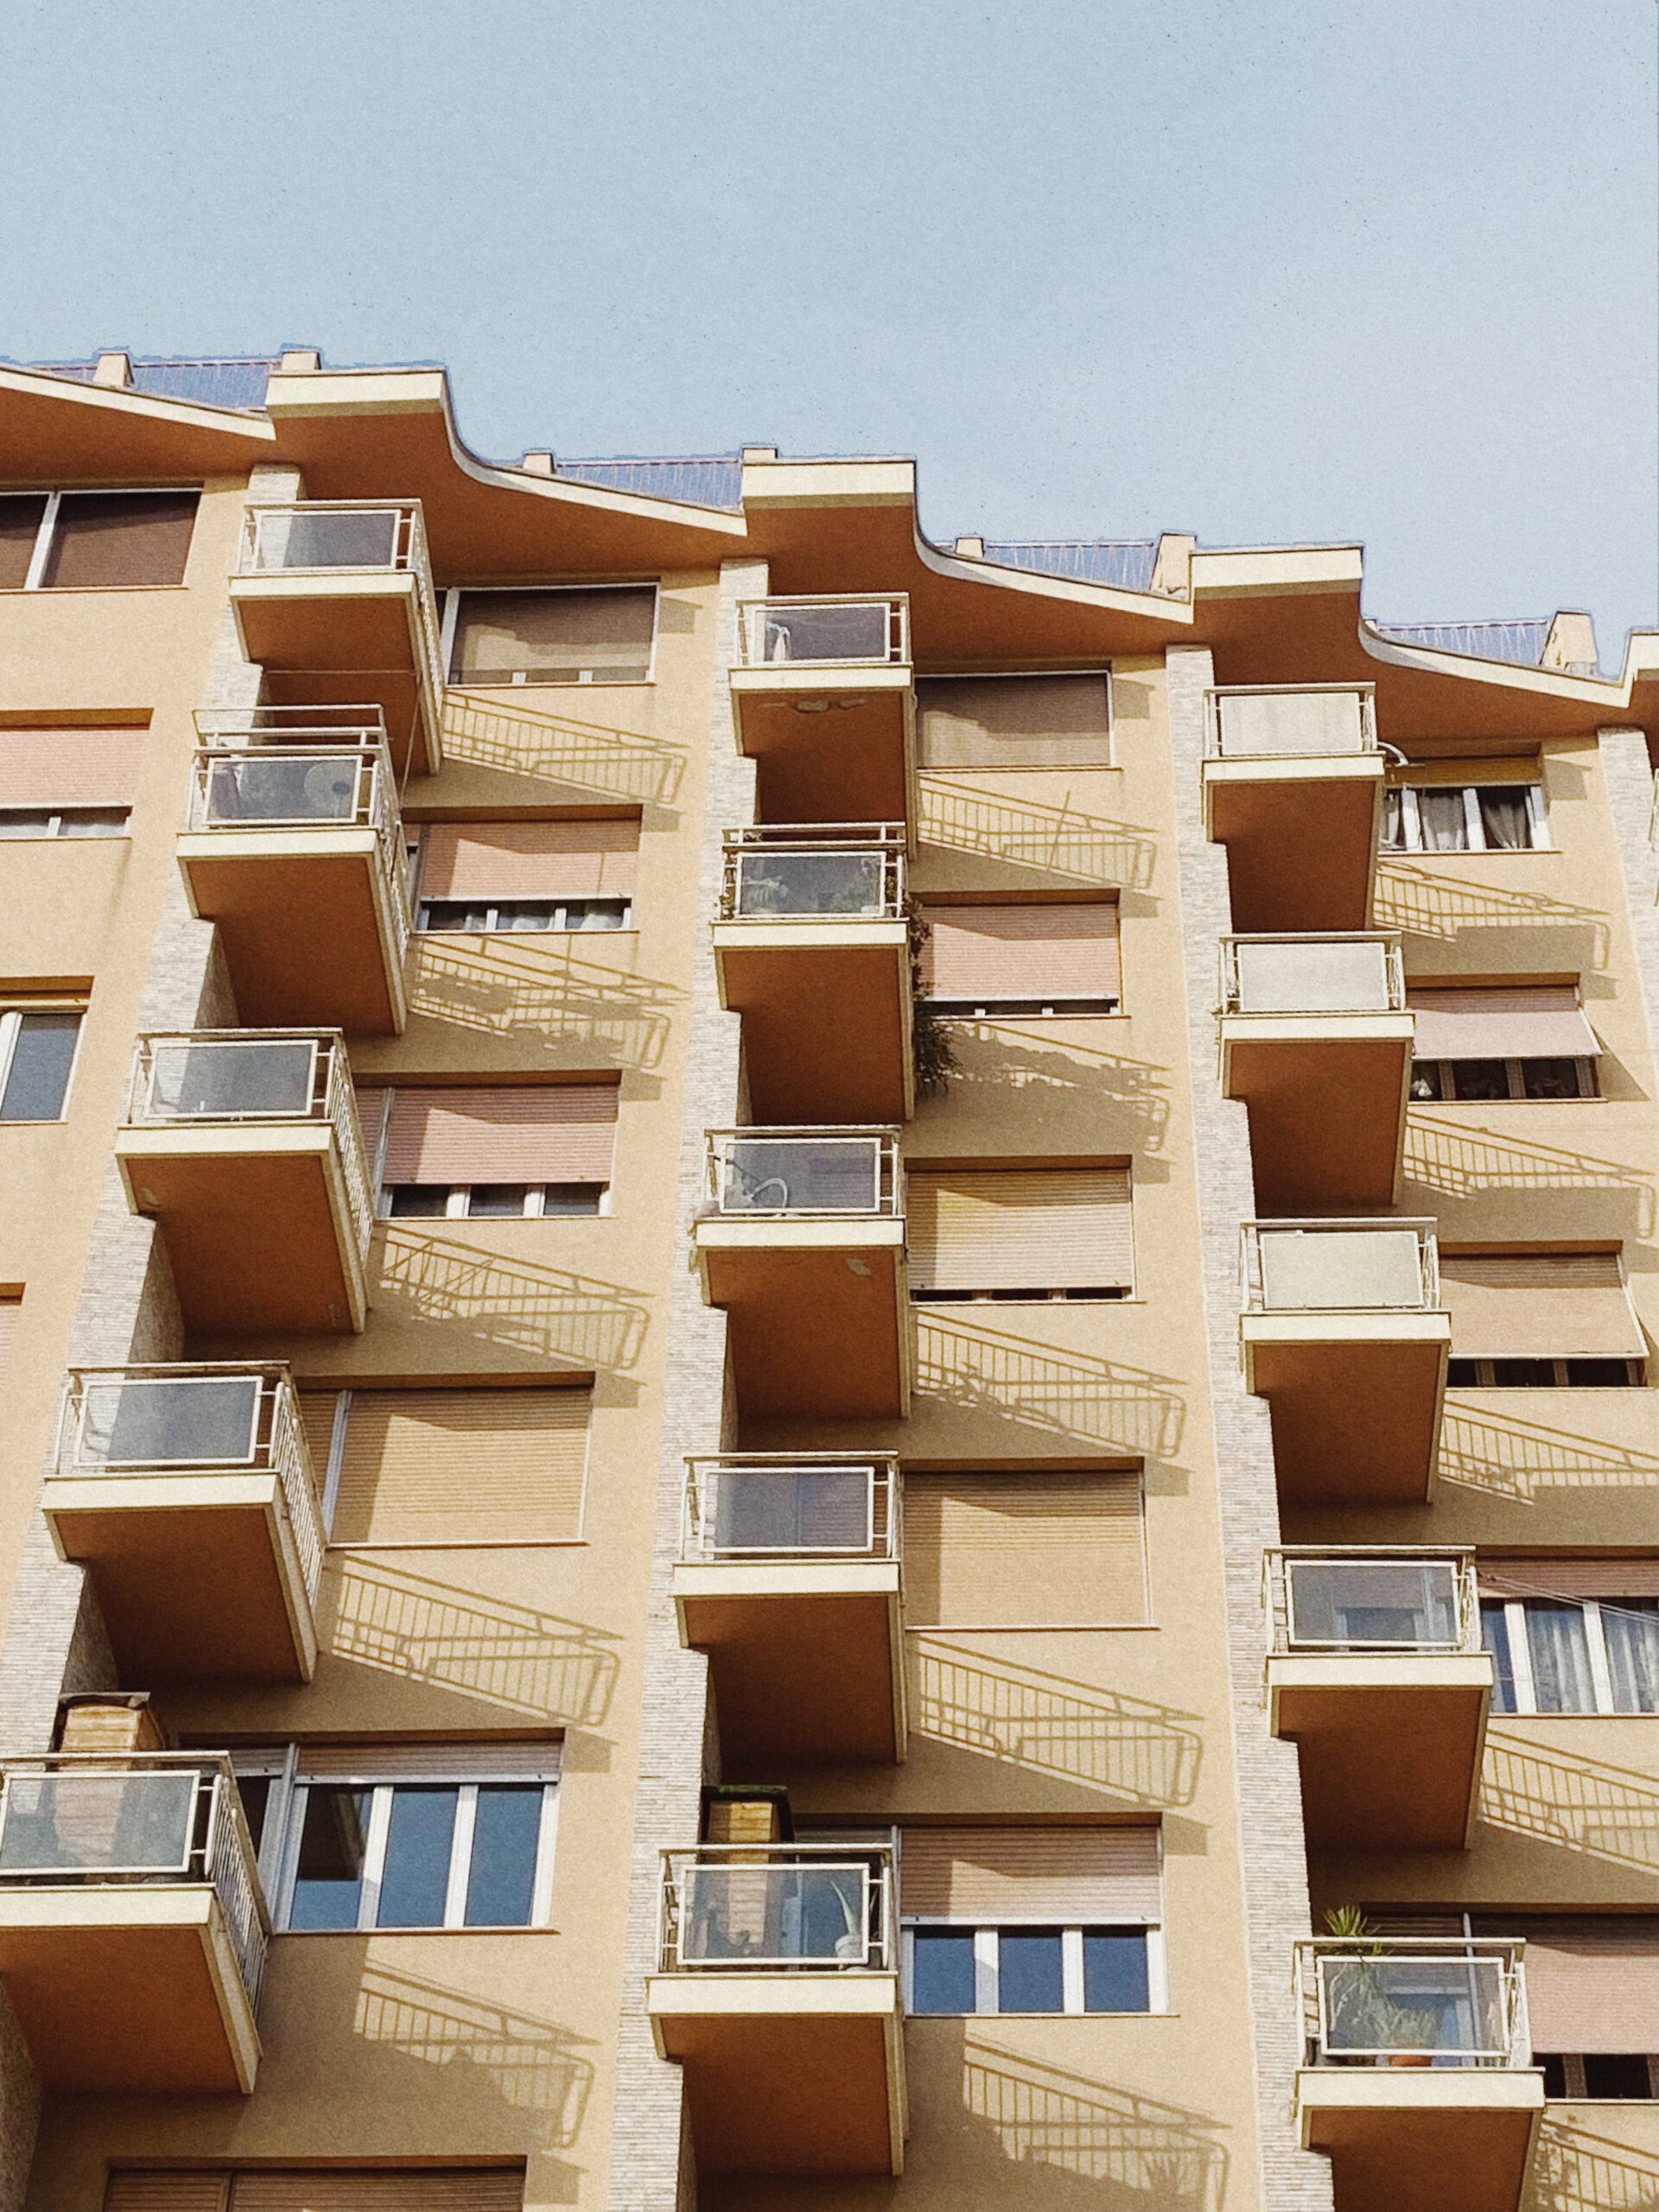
[
  {"x": 1522, "y": 1682},
  {"x": 450, "y": 623},
  {"x": 12, "y": 1014},
  {"x": 987, "y": 1935},
  {"x": 55, "y": 817},
  {"x": 1514, "y": 1076},
  {"x": 1411, "y": 832},
  {"x": 491, "y": 927},
  {"x": 47, "y": 529},
  {"x": 458, "y": 1195}
]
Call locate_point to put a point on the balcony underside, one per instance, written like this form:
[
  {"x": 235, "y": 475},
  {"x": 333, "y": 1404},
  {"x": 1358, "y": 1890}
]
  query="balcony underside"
[
  {"x": 787, "y": 2075},
  {"x": 128, "y": 1989},
  {"x": 257, "y": 1224},
  {"x": 830, "y": 745},
  {"x": 305, "y": 920},
  {"x": 1301, "y": 836},
  {"x": 197, "y": 1574},
  {"x": 1389, "y": 1748},
  {"x": 826, "y": 1010},
  {"x": 1356, "y": 1403},
  {"x": 1421, "y": 2139},
  {"x": 352, "y": 638},
  {"x": 819, "y": 1314},
  {"x": 1327, "y": 1096},
  {"x": 805, "y": 1658}
]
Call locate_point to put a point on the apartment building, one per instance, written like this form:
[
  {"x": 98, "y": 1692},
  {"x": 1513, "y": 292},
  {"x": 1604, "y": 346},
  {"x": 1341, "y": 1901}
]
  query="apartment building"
[{"x": 828, "y": 1361}]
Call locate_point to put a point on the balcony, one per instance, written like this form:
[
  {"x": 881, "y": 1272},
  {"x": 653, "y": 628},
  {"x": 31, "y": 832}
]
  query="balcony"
[
  {"x": 187, "y": 1493},
  {"x": 132, "y": 1929},
  {"x": 1316, "y": 1041},
  {"x": 294, "y": 845},
  {"x": 789, "y": 1579},
  {"x": 1292, "y": 786},
  {"x": 1418, "y": 2082},
  {"x": 1343, "y": 1333},
  {"x": 333, "y": 599},
  {"x": 801, "y": 1240},
  {"x": 777, "y": 1990},
  {"x": 812, "y": 948},
  {"x": 1376, "y": 1672},
  {"x": 824, "y": 701},
  {"x": 243, "y": 1146}
]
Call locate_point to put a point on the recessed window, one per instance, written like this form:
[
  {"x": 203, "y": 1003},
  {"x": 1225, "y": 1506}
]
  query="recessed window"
[
  {"x": 1024, "y": 956},
  {"x": 71, "y": 821},
  {"x": 66, "y": 541},
  {"x": 1502, "y": 1042},
  {"x": 1570, "y": 1651},
  {"x": 1019, "y": 1969},
  {"x": 1472, "y": 1081},
  {"x": 1014, "y": 721},
  {"x": 1526, "y": 1320},
  {"x": 510, "y": 914},
  {"x": 489, "y": 1152},
  {"x": 37, "y": 1057},
  {"x": 1544, "y": 1374},
  {"x": 1474, "y": 818},
  {"x": 598, "y": 635},
  {"x": 1016, "y": 1235},
  {"x": 491, "y": 1201}
]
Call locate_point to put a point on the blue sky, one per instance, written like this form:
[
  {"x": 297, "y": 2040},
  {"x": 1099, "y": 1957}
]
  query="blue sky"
[{"x": 1263, "y": 270}]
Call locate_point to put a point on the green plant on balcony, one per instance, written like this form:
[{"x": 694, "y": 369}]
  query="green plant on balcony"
[
  {"x": 1365, "y": 2016},
  {"x": 932, "y": 1056}
]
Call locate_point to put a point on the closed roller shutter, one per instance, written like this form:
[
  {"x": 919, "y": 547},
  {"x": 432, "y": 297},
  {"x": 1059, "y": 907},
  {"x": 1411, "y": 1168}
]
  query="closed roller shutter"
[
  {"x": 529, "y": 860},
  {"x": 166, "y": 2192},
  {"x": 1067, "y": 1874},
  {"x": 1569, "y": 1577},
  {"x": 1592, "y": 1981},
  {"x": 1014, "y": 721},
  {"x": 1019, "y": 1228},
  {"x": 1531, "y": 1025},
  {"x": 1539, "y": 1305},
  {"x": 982, "y": 953},
  {"x": 1515, "y": 768},
  {"x": 555, "y": 637},
  {"x": 1043, "y": 1549},
  {"x": 54, "y": 768},
  {"x": 463, "y": 1466},
  {"x": 413, "y": 1762},
  {"x": 545, "y": 1132},
  {"x": 120, "y": 537}
]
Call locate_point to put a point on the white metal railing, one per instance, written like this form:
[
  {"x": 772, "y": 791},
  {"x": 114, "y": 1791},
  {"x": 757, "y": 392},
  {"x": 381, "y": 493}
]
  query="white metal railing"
[
  {"x": 853, "y": 630},
  {"x": 830, "y": 872},
  {"x": 1372, "y": 1598},
  {"x": 98, "y": 1819},
  {"x": 1265, "y": 721},
  {"x": 1301, "y": 1267},
  {"x": 199, "y": 1076},
  {"x": 807, "y": 1908},
  {"x": 1353, "y": 971},
  {"x": 1447, "y": 2002},
  {"x": 804, "y": 1171},
  {"x": 221, "y": 1418},
  {"x": 818, "y": 1505},
  {"x": 335, "y": 536}
]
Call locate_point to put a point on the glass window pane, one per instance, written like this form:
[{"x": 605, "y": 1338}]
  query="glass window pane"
[
  {"x": 39, "y": 1075},
  {"x": 417, "y": 1201},
  {"x": 94, "y": 822},
  {"x": 1523, "y": 1373},
  {"x": 572, "y": 1197},
  {"x": 1505, "y": 817},
  {"x": 1480, "y": 1079},
  {"x": 827, "y": 1176},
  {"x": 1029, "y": 1977},
  {"x": 267, "y": 787},
  {"x": 419, "y": 1841},
  {"x": 1445, "y": 828},
  {"x": 1425, "y": 1080},
  {"x": 121, "y": 538},
  {"x": 505, "y": 1831},
  {"x": 943, "y": 1973},
  {"x": 1630, "y": 1626},
  {"x": 1550, "y": 1079},
  {"x": 1463, "y": 1375},
  {"x": 826, "y": 632},
  {"x": 329, "y": 1888},
  {"x": 781, "y": 882},
  {"x": 452, "y": 914},
  {"x": 1561, "y": 1658},
  {"x": 1617, "y": 2077},
  {"x": 1598, "y": 1374},
  {"x": 554, "y": 636},
  {"x": 213, "y": 1079},
  {"x": 492, "y": 1199},
  {"x": 138, "y": 1822},
  {"x": 206, "y": 1421},
  {"x": 351, "y": 540},
  {"x": 1115, "y": 1975},
  {"x": 530, "y": 915},
  {"x": 1495, "y": 1639}
]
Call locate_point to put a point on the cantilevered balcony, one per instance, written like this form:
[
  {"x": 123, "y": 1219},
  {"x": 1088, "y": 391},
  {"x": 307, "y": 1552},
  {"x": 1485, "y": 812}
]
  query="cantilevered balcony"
[
  {"x": 1316, "y": 1039},
  {"x": 188, "y": 1494},
  {"x": 824, "y": 700},
  {"x": 1292, "y": 786},
  {"x": 777, "y": 1990},
  {"x": 1343, "y": 1333},
  {"x": 789, "y": 1579},
  {"x": 294, "y": 845},
  {"x": 333, "y": 599},
  {"x": 244, "y": 1145},
  {"x": 132, "y": 1929},
  {"x": 1376, "y": 1671},
  {"x": 812, "y": 947},
  {"x": 1417, "y": 2081}
]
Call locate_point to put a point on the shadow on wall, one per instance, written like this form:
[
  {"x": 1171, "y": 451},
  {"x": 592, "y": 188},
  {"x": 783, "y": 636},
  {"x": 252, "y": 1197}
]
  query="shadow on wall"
[
  {"x": 1461, "y": 1163},
  {"x": 1142, "y": 1753},
  {"x": 1610, "y": 1812},
  {"x": 406, "y": 1624},
  {"x": 613, "y": 764},
  {"x": 1515, "y": 1458},
  {"x": 521, "y": 988},
  {"x": 1441, "y": 905},
  {"x": 1068, "y": 1393},
  {"x": 1056, "y": 839},
  {"x": 1575, "y": 2170},
  {"x": 1002, "y": 1056},
  {"x": 569, "y": 1320}
]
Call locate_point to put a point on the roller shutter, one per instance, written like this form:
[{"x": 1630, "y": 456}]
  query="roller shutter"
[
  {"x": 539, "y": 1133},
  {"x": 1593, "y": 1980},
  {"x": 1042, "y": 1549},
  {"x": 54, "y": 768},
  {"x": 424, "y": 2189},
  {"x": 982, "y": 953},
  {"x": 102, "y": 538},
  {"x": 486, "y": 861},
  {"x": 1014, "y": 721},
  {"x": 501, "y": 1466},
  {"x": 1544, "y": 1577},
  {"x": 603, "y": 636},
  {"x": 1019, "y": 1228},
  {"x": 1539, "y": 1305},
  {"x": 1521, "y": 1025},
  {"x": 1065, "y": 1874},
  {"x": 474, "y": 1761},
  {"x": 1521, "y": 768}
]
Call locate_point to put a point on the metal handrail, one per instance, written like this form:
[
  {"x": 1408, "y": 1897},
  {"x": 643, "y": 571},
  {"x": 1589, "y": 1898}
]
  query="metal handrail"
[
  {"x": 867, "y": 1943},
  {"x": 1349, "y": 2017},
  {"x": 1459, "y": 1559},
  {"x": 1365, "y": 694},
  {"x": 887, "y": 1183},
  {"x": 1393, "y": 968},
  {"x": 408, "y": 554},
  {"x": 1250, "y": 1234},
  {"x": 700, "y": 1506},
  {"x": 745, "y": 850},
  {"x": 753, "y": 628}
]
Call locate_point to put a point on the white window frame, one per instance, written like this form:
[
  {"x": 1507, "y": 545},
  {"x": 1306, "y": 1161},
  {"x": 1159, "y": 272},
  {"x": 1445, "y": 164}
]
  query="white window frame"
[
  {"x": 1411, "y": 825},
  {"x": 451, "y": 598},
  {"x": 11, "y": 1020},
  {"x": 986, "y": 1935},
  {"x": 491, "y": 926},
  {"x": 1585, "y": 1063},
  {"x": 1521, "y": 1674},
  {"x": 458, "y": 1194},
  {"x": 35, "y": 580}
]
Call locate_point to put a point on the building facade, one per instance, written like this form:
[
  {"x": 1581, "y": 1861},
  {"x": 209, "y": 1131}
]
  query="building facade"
[{"x": 827, "y": 1361}]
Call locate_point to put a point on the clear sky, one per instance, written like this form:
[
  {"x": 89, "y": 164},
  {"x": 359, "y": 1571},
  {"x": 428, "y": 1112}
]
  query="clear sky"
[{"x": 1262, "y": 269}]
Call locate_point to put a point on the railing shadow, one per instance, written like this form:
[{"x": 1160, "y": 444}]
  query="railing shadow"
[
  {"x": 1058, "y": 840},
  {"x": 1575, "y": 2170},
  {"x": 1609, "y": 1812},
  {"x": 533, "y": 2066},
  {"x": 1002, "y": 1056},
  {"x": 1066, "y": 1393},
  {"x": 1462, "y": 1163},
  {"x": 538, "y": 990},
  {"x": 614, "y": 764},
  {"x": 1440, "y": 906},
  {"x": 566, "y": 1318},
  {"x": 1138, "y": 1752},
  {"x": 407, "y": 1624},
  {"x": 1515, "y": 1458}
]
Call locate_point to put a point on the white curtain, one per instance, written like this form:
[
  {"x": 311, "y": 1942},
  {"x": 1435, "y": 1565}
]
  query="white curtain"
[
  {"x": 1631, "y": 1628},
  {"x": 1560, "y": 1658}
]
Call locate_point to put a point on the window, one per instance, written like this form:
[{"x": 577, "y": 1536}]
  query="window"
[
  {"x": 530, "y": 1149},
  {"x": 589, "y": 634},
  {"x": 1015, "y": 721},
  {"x": 1478, "y": 817},
  {"x": 1539, "y": 1321},
  {"x": 1544, "y": 1374},
  {"x": 1019, "y": 1969},
  {"x": 37, "y": 1056},
  {"x": 356, "y": 2188},
  {"x": 1016, "y": 1234},
  {"x": 1573, "y": 1635},
  {"x": 1590, "y": 2004},
  {"x": 74, "y": 540},
  {"x": 1021, "y": 958},
  {"x": 74, "y": 821},
  {"x": 490, "y": 1201},
  {"x": 1036, "y": 1549},
  {"x": 1497, "y": 1043},
  {"x": 68, "y": 782},
  {"x": 507, "y": 914},
  {"x": 527, "y": 876}
]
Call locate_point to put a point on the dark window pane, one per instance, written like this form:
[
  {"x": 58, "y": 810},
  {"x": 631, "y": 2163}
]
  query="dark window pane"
[
  {"x": 1505, "y": 817},
  {"x": 1495, "y": 1639},
  {"x": 1554, "y": 2068},
  {"x": 1550, "y": 1079},
  {"x": 254, "y": 1791},
  {"x": 1480, "y": 1079},
  {"x": 1598, "y": 1374},
  {"x": 1560, "y": 1646},
  {"x": 1444, "y": 824},
  {"x": 497, "y": 1198},
  {"x": 1618, "y": 2076},
  {"x": 418, "y": 1842},
  {"x": 20, "y": 525},
  {"x": 39, "y": 1075},
  {"x": 1463, "y": 1375},
  {"x": 1115, "y": 1977},
  {"x": 417, "y": 1201},
  {"x": 1028, "y": 1975},
  {"x": 121, "y": 538},
  {"x": 1523, "y": 1373},
  {"x": 329, "y": 1885},
  {"x": 1425, "y": 1079},
  {"x": 505, "y": 1836},
  {"x": 452, "y": 914},
  {"x": 573, "y": 1198},
  {"x": 942, "y": 1976}
]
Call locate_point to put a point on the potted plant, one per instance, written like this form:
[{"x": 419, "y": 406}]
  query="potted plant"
[{"x": 1366, "y": 2024}]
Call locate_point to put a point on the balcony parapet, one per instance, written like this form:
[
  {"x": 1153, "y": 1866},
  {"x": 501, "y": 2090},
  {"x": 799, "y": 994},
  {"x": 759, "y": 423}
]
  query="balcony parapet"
[
  {"x": 824, "y": 698},
  {"x": 797, "y": 1908},
  {"x": 1313, "y": 973},
  {"x": 1367, "y": 1601},
  {"x": 817, "y": 1506},
  {"x": 831, "y": 872},
  {"x": 804, "y": 1173},
  {"x": 1384, "y": 1265},
  {"x": 846, "y": 630}
]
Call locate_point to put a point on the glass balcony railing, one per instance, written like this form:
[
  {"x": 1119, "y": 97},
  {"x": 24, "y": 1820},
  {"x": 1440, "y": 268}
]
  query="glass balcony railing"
[
  {"x": 778, "y": 1908},
  {"x": 848, "y": 632},
  {"x": 813, "y": 1507},
  {"x": 344, "y": 536},
  {"x": 1451, "y": 2002},
  {"x": 831, "y": 872},
  {"x": 1327, "y": 1267},
  {"x": 1387, "y": 1599},
  {"x": 1350, "y": 973},
  {"x": 1267, "y": 722},
  {"x": 804, "y": 1171}
]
